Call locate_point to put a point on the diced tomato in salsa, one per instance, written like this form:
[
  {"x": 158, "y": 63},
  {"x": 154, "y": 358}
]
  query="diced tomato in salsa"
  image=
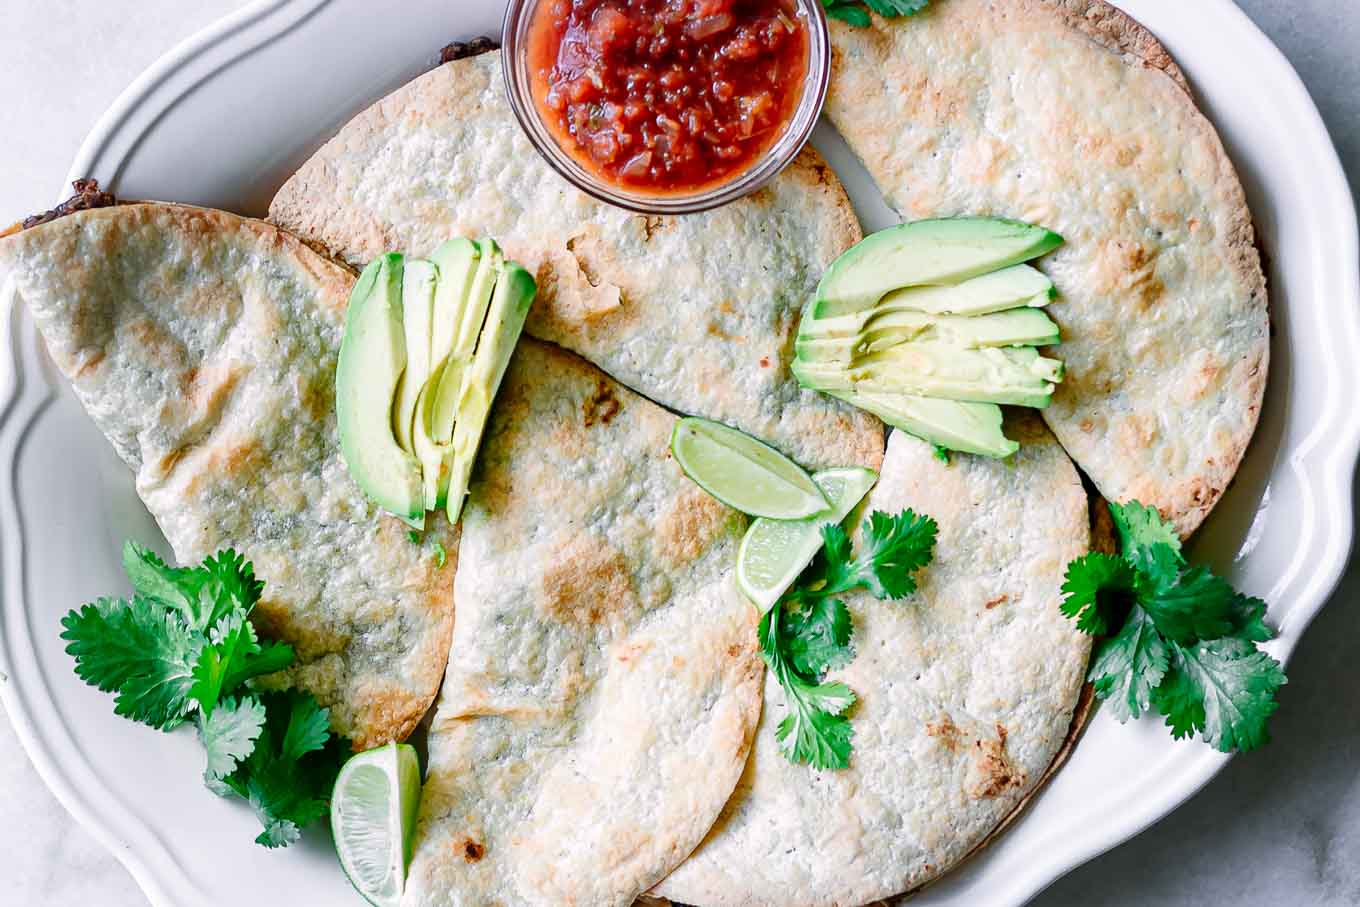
[{"x": 667, "y": 96}]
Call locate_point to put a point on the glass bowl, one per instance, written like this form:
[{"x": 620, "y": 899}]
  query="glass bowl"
[{"x": 518, "y": 85}]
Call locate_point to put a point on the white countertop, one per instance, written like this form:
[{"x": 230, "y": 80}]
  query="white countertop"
[{"x": 1278, "y": 827}]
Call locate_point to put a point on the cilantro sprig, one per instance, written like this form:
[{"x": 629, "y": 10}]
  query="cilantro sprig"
[
  {"x": 850, "y": 11},
  {"x": 183, "y": 648},
  {"x": 809, "y": 631},
  {"x": 1181, "y": 640}
]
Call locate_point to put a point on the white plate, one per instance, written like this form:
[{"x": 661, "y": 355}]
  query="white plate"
[{"x": 224, "y": 118}]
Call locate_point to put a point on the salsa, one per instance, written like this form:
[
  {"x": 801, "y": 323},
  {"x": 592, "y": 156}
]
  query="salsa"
[{"x": 667, "y": 96}]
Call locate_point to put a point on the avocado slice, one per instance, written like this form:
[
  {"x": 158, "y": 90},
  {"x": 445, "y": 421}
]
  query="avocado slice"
[
  {"x": 1016, "y": 376},
  {"x": 509, "y": 307},
  {"x": 457, "y": 261},
  {"x": 1008, "y": 288},
  {"x": 1016, "y": 327},
  {"x": 1019, "y": 286},
  {"x": 926, "y": 253},
  {"x": 472, "y": 317},
  {"x": 372, "y": 359},
  {"x": 968, "y": 427},
  {"x": 417, "y": 313}
]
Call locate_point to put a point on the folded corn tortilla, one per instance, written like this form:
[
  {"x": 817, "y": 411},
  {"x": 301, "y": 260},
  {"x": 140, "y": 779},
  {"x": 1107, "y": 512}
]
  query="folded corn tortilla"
[
  {"x": 1069, "y": 114},
  {"x": 967, "y": 691},
  {"x": 204, "y": 346},
  {"x": 604, "y": 681},
  {"x": 697, "y": 312}
]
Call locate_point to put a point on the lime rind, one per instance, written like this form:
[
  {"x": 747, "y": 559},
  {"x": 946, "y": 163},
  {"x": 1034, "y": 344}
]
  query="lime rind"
[
  {"x": 745, "y": 474},
  {"x": 373, "y": 812},
  {"x": 774, "y": 552}
]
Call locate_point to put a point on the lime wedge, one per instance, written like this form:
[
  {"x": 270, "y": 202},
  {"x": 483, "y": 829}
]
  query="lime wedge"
[
  {"x": 373, "y": 816},
  {"x": 743, "y": 473},
  {"x": 774, "y": 552}
]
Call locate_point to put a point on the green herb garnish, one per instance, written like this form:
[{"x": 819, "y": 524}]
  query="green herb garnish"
[
  {"x": 441, "y": 557},
  {"x": 852, "y": 12},
  {"x": 808, "y": 632},
  {"x": 183, "y": 648},
  {"x": 1182, "y": 640}
]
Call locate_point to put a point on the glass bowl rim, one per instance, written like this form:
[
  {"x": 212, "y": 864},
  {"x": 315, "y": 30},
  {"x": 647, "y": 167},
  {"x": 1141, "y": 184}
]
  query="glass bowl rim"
[{"x": 779, "y": 155}]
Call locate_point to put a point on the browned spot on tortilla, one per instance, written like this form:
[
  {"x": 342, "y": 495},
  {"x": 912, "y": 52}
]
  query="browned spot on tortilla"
[
  {"x": 587, "y": 583},
  {"x": 601, "y": 406},
  {"x": 583, "y": 260},
  {"x": 315, "y": 396},
  {"x": 650, "y": 224},
  {"x": 998, "y": 600},
  {"x": 280, "y": 620},
  {"x": 764, "y": 361},
  {"x": 1130, "y": 267},
  {"x": 946, "y": 731},
  {"x": 691, "y": 523},
  {"x": 991, "y": 773},
  {"x": 472, "y": 850},
  {"x": 389, "y": 706},
  {"x": 632, "y": 650}
]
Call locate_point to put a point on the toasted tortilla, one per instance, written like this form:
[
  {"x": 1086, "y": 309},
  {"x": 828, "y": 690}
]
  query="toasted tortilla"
[
  {"x": 698, "y": 312},
  {"x": 204, "y": 346},
  {"x": 1069, "y": 114},
  {"x": 966, "y": 689},
  {"x": 604, "y": 681}
]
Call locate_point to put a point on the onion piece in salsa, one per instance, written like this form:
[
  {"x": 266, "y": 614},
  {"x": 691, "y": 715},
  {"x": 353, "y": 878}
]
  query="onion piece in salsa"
[{"x": 667, "y": 96}]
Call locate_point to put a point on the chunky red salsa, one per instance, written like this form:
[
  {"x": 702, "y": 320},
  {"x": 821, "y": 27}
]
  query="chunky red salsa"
[{"x": 667, "y": 96}]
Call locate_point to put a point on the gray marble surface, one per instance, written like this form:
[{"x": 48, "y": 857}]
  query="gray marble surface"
[{"x": 1281, "y": 827}]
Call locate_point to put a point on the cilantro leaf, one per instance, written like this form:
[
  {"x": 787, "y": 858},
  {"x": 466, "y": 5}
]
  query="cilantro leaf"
[
  {"x": 1186, "y": 640},
  {"x": 185, "y": 642},
  {"x": 1141, "y": 528},
  {"x": 231, "y": 586},
  {"x": 816, "y": 636},
  {"x": 895, "y": 547},
  {"x": 892, "y": 8},
  {"x": 225, "y": 583},
  {"x": 288, "y": 775},
  {"x": 1248, "y": 619},
  {"x": 816, "y": 731},
  {"x": 233, "y": 656},
  {"x": 848, "y": 12},
  {"x": 1096, "y": 591},
  {"x": 229, "y": 733},
  {"x": 138, "y": 650},
  {"x": 1129, "y": 666},
  {"x": 1193, "y": 605},
  {"x": 152, "y": 578},
  {"x": 1225, "y": 689}
]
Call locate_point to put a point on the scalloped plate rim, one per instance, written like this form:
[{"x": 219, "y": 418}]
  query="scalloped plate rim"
[{"x": 1324, "y": 460}]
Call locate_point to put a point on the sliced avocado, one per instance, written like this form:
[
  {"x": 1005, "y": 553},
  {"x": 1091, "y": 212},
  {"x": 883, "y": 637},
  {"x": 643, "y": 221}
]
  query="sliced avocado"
[
  {"x": 372, "y": 359},
  {"x": 457, "y": 261},
  {"x": 472, "y": 317},
  {"x": 417, "y": 314},
  {"x": 1020, "y": 286},
  {"x": 926, "y": 253},
  {"x": 1016, "y": 327},
  {"x": 937, "y": 370},
  {"x": 968, "y": 427},
  {"x": 1009, "y": 288},
  {"x": 509, "y": 307}
]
